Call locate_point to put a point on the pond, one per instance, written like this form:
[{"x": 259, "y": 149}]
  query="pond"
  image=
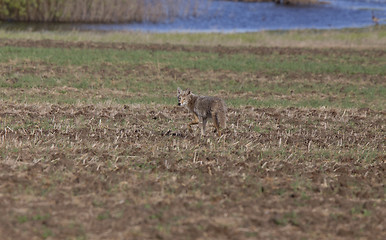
[{"x": 226, "y": 17}]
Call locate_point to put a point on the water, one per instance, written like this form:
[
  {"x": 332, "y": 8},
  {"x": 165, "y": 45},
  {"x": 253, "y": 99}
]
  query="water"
[{"x": 224, "y": 16}]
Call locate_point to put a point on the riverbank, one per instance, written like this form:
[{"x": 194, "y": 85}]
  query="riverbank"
[{"x": 370, "y": 37}]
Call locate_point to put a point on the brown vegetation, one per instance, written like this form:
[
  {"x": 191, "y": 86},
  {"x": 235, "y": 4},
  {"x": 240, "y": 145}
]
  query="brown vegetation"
[{"x": 95, "y": 11}]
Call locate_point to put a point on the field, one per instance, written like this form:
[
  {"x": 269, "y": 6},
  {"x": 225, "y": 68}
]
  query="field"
[{"x": 94, "y": 146}]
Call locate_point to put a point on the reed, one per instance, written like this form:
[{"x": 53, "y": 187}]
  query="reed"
[{"x": 96, "y": 11}]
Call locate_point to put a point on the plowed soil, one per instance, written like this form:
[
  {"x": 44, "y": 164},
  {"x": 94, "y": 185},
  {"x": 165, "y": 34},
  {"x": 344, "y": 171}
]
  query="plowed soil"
[
  {"x": 111, "y": 172},
  {"x": 115, "y": 171}
]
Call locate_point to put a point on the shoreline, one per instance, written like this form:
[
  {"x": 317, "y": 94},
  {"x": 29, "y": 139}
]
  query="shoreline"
[
  {"x": 366, "y": 37},
  {"x": 102, "y": 27}
]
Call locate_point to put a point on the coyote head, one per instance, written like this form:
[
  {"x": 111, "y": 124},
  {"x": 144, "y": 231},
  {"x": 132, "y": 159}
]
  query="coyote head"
[{"x": 183, "y": 96}]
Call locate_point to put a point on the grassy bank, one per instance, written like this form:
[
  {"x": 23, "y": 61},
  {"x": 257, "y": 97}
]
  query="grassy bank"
[{"x": 371, "y": 37}]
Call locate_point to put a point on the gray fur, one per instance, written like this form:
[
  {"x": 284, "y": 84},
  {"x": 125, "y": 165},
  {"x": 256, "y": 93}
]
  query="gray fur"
[{"x": 203, "y": 108}]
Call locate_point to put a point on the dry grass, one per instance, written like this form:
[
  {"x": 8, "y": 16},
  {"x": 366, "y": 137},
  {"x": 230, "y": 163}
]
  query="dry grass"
[{"x": 96, "y": 11}]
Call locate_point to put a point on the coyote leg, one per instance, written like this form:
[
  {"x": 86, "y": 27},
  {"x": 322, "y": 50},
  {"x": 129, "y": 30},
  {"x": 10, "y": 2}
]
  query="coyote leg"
[
  {"x": 194, "y": 122},
  {"x": 216, "y": 125},
  {"x": 203, "y": 125}
]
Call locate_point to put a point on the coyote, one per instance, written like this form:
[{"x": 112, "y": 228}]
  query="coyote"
[{"x": 203, "y": 107}]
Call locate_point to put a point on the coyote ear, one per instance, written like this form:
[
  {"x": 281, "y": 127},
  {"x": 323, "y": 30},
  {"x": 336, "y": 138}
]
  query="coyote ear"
[
  {"x": 188, "y": 91},
  {"x": 179, "y": 91}
]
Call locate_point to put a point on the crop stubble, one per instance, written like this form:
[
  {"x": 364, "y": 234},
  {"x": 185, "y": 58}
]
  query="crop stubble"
[
  {"x": 137, "y": 171},
  {"x": 110, "y": 170}
]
